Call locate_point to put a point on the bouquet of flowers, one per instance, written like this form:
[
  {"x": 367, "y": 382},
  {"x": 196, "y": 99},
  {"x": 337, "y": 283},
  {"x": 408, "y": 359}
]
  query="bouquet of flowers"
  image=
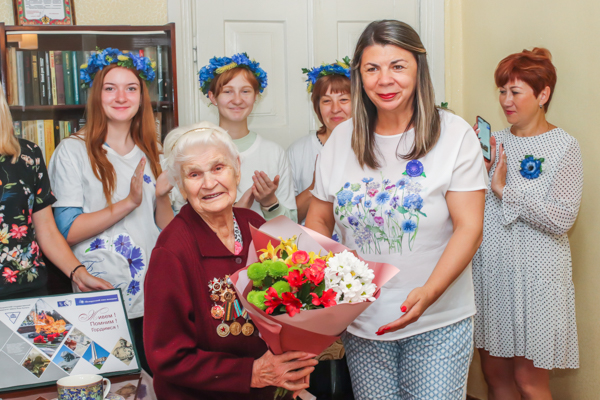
[
  {"x": 296, "y": 280},
  {"x": 303, "y": 292}
]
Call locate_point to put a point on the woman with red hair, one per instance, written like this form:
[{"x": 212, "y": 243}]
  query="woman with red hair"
[
  {"x": 112, "y": 195},
  {"x": 525, "y": 322}
]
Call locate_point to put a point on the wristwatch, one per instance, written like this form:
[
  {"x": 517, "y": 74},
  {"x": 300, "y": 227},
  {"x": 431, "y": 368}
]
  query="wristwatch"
[{"x": 272, "y": 207}]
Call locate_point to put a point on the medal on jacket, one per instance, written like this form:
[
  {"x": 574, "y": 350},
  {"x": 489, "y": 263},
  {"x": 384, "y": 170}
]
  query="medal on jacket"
[{"x": 227, "y": 308}]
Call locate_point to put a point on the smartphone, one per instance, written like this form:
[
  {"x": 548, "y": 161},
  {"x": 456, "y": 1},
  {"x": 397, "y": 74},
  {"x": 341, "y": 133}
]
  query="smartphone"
[{"x": 485, "y": 133}]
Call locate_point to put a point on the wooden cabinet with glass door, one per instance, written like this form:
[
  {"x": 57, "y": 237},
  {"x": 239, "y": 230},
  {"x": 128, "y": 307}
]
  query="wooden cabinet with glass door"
[{"x": 40, "y": 75}]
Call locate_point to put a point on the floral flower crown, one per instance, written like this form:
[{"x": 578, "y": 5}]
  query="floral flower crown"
[
  {"x": 104, "y": 58},
  {"x": 218, "y": 65},
  {"x": 338, "y": 67}
]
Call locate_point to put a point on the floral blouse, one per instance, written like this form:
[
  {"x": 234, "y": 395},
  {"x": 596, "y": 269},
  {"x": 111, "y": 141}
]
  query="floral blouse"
[{"x": 25, "y": 189}]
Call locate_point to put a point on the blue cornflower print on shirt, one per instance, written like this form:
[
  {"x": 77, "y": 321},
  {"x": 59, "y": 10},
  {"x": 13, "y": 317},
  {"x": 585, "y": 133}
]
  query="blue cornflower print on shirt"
[
  {"x": 383, "y": 216},
  {"x": 344, "y": 197},
  {"x": 123, "y": 245},
  {"x": 382, "y": 198},
  {"x": 147, "y": 179},
  {"x": 97, "y": 244},
  {"x": 136, "y": 261},
  {"x": 133, "y": 288},
  {"x": 336, "y": 237},
  {"x": 409, "y": 226}
]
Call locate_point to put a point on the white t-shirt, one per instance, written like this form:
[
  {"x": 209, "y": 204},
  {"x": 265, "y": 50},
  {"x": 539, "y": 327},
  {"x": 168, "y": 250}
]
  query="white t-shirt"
[
  {"x": 119, "y": 255},
  {"x": 265, "y": 155},
  {"x": 398, "y": 215},
  {"x": 302, "y": 155}
]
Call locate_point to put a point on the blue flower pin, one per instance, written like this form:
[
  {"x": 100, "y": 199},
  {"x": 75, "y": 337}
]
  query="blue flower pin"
[
  {"x": 531, "y": 167},
  {"x": 414, "y": 168}
]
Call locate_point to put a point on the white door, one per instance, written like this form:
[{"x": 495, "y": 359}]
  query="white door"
[{"x": 286, "y": 36}]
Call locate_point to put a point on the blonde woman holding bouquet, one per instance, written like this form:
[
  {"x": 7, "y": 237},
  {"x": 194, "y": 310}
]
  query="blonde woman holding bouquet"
[
  {"x": 233, "y": 85},
  {"x": 404, "y": 182}
]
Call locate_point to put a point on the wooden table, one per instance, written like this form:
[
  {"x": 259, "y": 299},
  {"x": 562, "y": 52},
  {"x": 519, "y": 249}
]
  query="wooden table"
[{"x": 130, "y": 387}]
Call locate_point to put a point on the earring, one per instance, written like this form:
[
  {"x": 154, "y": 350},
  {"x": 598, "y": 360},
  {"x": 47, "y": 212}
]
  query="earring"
[{"x": 541, "y": 106}]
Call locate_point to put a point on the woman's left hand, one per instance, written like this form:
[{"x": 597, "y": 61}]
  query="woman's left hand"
[
  {"x": 418, "y": 300},
  {"x": 86, "y": 282},
  {"x": 499, "y": 178},
  {"x": 163, "y": 187}
]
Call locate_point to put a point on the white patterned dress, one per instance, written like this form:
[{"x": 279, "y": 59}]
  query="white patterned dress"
[{"x": 522, "y": 272}]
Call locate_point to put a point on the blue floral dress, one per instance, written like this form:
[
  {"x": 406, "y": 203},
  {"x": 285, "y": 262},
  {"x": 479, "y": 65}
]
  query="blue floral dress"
[{"x": 25, "y": 189}]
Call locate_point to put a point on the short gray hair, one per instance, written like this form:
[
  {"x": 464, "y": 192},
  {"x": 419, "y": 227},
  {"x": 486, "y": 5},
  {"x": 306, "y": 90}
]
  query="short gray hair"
[{"x": 200, "y": 134}]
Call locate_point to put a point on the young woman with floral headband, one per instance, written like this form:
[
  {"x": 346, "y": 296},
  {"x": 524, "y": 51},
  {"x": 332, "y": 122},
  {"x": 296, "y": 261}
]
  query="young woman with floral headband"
[
  {"x": 233, "y": 85},
  {"x": 329, "y": 86},
  {"x": 112, "y": 197},
  {"x": 25, "y": 199}
]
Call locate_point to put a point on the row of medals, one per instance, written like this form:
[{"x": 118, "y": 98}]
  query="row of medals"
[{"x": 221, "y": 291}]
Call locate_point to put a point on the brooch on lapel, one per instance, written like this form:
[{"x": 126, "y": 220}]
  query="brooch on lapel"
[{"x": 531, "y": 167}]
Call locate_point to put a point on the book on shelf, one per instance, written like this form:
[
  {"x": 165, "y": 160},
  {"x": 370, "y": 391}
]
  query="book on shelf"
[
  {"x": 60, "y": 78},
  {"x": 53, "y": 77},
  {"x": 68, "y": 79},
  {"x": 17, "y": 129},
  {"x": 20, "y": 79},
  {"x": 48, "y": 80},
  {"x": 39, "y": 78},
  {"x": 158, "y": 124},
  {"x": 41, "y": 137},
  {"x": 42, "y": 78},
  {"x": 35, "y": 80},
  {"x": 27, "y": 77}
]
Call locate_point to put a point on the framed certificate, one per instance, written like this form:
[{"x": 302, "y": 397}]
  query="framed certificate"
[
  {"x": 44, "y": 12},
  {"x": 43, "y": 339}
]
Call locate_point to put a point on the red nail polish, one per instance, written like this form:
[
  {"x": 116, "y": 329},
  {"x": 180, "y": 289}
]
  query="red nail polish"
[
  {"x": 403, "y": 309},
  {"x": 386, "y": 329}
]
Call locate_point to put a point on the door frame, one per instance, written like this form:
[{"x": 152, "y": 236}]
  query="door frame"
[{"x": 181, "y": 12}]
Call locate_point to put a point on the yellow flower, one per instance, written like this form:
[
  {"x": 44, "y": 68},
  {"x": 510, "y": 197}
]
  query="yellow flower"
[
  {"x": 122, "y": 58},
  {"x": 4, "y": 235},
  {"x": 270, "y": 253},
  {"x": 287, "y": 242},
  {"x": 84, "y": 66},
  {"x": 153, "y": 65}
]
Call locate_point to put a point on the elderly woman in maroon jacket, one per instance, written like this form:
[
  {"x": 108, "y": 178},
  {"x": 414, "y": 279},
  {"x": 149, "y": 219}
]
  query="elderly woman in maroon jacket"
[{"x": 198, "y": 341}]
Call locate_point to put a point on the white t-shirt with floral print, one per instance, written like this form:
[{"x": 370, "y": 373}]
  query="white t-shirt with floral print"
[
  {"x": 120, "y": 254},
  {"x": 398, "y": 215}
]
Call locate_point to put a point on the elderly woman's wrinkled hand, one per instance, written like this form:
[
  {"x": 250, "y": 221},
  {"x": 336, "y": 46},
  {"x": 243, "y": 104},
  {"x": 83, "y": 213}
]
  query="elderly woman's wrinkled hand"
[
  {"x": 163, "y": 186},
  {"x": 287, "y": 370}
]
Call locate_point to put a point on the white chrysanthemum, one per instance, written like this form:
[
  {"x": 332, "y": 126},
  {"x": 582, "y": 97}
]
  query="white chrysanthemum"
[{"x": 350, "y": 278}]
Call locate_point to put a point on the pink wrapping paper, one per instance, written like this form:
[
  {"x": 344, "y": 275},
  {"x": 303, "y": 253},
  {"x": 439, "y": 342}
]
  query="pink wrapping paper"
[{"x": 310, "y": 330}]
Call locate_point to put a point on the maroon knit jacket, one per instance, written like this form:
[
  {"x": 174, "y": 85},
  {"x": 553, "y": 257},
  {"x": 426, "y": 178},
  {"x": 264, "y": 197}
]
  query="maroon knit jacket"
[{"x": 189, "y": 360}]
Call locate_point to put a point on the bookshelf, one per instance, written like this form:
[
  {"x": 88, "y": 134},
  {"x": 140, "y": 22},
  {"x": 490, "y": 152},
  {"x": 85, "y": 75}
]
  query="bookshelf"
[{"x": 28, "y": 52}]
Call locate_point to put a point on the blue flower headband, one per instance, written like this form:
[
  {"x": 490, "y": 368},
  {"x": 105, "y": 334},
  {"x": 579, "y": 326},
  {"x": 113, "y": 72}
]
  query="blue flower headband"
[
  {"x": 338, "y": 67},
  {"x": 218, "y": 65},
  {"x": 104, "y": 58}
]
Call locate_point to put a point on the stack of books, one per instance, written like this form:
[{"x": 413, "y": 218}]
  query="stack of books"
[
  {"x": 41, "y": 78},
  {"x": 46, "y": 133}
]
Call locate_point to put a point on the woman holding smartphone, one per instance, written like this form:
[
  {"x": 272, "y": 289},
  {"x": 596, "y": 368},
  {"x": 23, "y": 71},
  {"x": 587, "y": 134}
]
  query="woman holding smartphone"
[{"x": 525, "y": 322}]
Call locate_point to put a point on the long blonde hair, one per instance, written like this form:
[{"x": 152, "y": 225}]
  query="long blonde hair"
[
  {"x": 425, "y": 118},
  {"x": 9, "y": 144}
]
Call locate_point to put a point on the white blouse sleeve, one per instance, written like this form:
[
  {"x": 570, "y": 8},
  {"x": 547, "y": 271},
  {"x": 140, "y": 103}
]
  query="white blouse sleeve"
[
  {"x": 323, "y": 169},
  {"x": 285, "y": 190},
  {"x": 65, "y": 175},
  {"x": 469, "y": 173},
  {"x": 557, "y": 212}
]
